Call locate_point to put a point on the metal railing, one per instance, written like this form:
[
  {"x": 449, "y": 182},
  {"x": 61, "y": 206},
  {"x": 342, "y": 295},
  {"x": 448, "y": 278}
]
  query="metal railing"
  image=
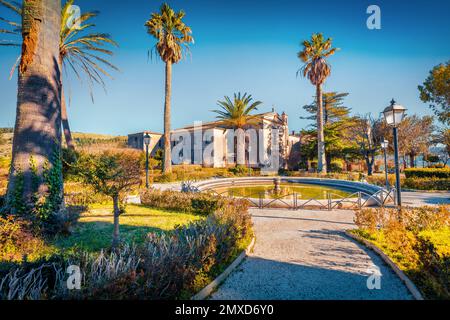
[{"x": 356, "y": 200}]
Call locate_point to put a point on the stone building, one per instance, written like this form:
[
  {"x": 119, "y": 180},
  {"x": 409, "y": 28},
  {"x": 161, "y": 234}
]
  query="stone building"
[{"x": 224, "y": 141}]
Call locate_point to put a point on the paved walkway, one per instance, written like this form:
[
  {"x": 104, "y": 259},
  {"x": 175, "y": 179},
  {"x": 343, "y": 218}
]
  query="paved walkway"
[
  {"x": 304, "y": 255},
  {"x": 418, "y": 199}
]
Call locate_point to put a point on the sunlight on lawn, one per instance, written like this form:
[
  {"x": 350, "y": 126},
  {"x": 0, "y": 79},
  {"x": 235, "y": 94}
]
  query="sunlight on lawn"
[{"x": 94, "y": 229}]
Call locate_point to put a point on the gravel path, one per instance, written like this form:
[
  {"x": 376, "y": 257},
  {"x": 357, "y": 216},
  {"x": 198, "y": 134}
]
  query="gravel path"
[{"x": 304, "y": 255}]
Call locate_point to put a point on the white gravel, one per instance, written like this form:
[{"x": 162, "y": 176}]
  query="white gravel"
[{"x": 305, "y": 255}]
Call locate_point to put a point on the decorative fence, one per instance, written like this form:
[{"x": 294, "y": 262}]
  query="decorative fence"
[{"x": 356, "y": 200}]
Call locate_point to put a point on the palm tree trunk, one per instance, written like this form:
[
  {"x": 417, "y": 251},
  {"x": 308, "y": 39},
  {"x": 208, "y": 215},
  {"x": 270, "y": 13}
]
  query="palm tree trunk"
[
  {"x": 37, "y": 131},
  {"x": 167, "y": 163},
  {"x": 116, "y": 234},
  {"x": 65, "y": 121},
  {"x": 321, "y": 159}
]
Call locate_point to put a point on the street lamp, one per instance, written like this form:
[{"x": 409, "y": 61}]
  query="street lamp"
[
  {"x": 393, "y": 115},
  {"x": 384, "y": 146},
  {"x": 147, "y": 140}
]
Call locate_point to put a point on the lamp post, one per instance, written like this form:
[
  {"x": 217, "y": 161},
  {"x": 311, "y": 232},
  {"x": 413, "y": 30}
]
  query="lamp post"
[
  {"x": 393, "y": 115},
  {"x": 147, "y": 140},
  {"x": 384, "y": 146}
]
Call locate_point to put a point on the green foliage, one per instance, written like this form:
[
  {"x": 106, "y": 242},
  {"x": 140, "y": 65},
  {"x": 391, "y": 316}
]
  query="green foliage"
[
  {"x": 433, "y": 158},
  {"x": 443, "y": 173},
  {"x": 110, "y": 173},
  {"x": 241, "y": 171},
  {"x": 314, "y": 56},
  {"x": 436, "y": 91},
  {"x": 172, "y": 34},
  {"x": 69, "y": 160},
  {"x": 47, "y": 206},
  {"x": 15, "y": 198},
  {"x": 427, "y": 183},
  {"x": 417, "y": 240},
  {"x": 236, "y": 113},
  {"x": 337, "y": 123},
  {"x": 200, "y": 203},
  {"x": 336, "y": 167},
  {"x": 168, "y": 266},
  {"x": 18, "y": 242}
]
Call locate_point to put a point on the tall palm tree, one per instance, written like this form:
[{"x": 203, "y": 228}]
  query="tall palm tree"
[
  {"x": 314, "y": 56},
  {"x": 37, "y": 131},
  {"x": 172, "y": 36},
  {"x": 78, "y": 51},
  {"x": 236, "y": 113}
]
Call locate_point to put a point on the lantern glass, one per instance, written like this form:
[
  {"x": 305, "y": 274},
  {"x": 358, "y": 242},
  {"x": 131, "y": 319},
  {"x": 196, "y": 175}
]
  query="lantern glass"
[
  {"x": 398, "y": 115},
  {"x": 394, "y": 114},
  {"x": 384, "y": 144},
  {"x": 147, "y": 139},
  {"x": 389, "y": 116}
]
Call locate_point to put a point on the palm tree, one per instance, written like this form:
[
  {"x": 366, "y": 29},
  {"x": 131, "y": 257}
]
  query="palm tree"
[
  {"x": 314, "y": 56},
  {"x": 37, "y": 131},
  {"x": 78, "y": 51},
  {"x": 172, "y": 36},
  {"x": 236, "y": 113}
]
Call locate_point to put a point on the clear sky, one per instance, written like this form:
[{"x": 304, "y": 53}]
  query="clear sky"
[{"x": 251, "y": 46}]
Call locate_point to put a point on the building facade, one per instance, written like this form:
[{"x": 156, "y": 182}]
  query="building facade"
[{"x": 213, "y": 144}]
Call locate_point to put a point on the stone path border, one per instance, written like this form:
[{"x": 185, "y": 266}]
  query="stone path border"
[
  {"x": 210, "y": 288},
  {"x": 409, "y": 284}
]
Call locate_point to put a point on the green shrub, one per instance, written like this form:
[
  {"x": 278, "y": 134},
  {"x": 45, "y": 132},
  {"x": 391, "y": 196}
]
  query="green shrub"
[
  {"x": 200, "y": 203},
  {"x": 18, "y": 241},
  {"x": 336, "y": 167},
  {"x": 240, "y": 171},
  {"x": 427, "y": 183},
  {"x": 443, "y": 173}
]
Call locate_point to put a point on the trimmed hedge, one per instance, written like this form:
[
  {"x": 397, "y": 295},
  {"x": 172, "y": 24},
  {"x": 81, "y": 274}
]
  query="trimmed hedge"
[
  {"x": 426, "y": 183},
  {"x": 200, "y": 203},
  {"x": 442, "y": 173}
]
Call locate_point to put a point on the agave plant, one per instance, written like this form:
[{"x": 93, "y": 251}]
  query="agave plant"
[{"x": 80, "y": 50}]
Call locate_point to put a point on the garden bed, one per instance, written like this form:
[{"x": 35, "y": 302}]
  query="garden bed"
[
  {"x": 157, "y": 259},
  {"x": 417, "y": 240}
]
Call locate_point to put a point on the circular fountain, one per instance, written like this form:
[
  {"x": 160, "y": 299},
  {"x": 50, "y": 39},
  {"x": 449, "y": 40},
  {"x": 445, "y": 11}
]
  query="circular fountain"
[{"x": 298, "y": 192}]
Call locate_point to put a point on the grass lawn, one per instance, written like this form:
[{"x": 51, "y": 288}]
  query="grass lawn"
[{"x": 95, "y": 226}]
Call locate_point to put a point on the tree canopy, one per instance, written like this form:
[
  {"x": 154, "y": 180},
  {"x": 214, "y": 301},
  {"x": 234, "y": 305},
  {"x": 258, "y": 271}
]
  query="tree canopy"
[{"x": 436, "y": 91}]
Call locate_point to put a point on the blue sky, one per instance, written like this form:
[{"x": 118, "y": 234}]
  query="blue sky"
[{"x": 251, "y": 46}]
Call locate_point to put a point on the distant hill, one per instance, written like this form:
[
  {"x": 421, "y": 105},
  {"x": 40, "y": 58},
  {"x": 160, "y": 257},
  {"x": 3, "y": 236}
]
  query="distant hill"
[{"x": 82, "y": 140}]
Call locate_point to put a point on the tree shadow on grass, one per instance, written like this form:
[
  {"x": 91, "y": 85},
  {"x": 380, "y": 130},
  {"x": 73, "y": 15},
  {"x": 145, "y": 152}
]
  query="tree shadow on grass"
[{"x": 97, "y": 235}]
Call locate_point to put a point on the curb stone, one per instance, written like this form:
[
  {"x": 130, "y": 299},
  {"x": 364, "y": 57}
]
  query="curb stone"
[{"x": 210, "y": 288}]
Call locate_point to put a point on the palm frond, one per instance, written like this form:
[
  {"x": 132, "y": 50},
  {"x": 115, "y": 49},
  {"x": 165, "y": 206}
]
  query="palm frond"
[
  {"x": 12, "y": 5},
  {"x": 172, "y": 34}
]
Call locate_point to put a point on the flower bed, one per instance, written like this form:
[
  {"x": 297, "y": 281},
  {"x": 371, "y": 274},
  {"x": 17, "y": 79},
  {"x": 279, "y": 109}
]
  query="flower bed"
[{"x": 417, "y": 240}]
